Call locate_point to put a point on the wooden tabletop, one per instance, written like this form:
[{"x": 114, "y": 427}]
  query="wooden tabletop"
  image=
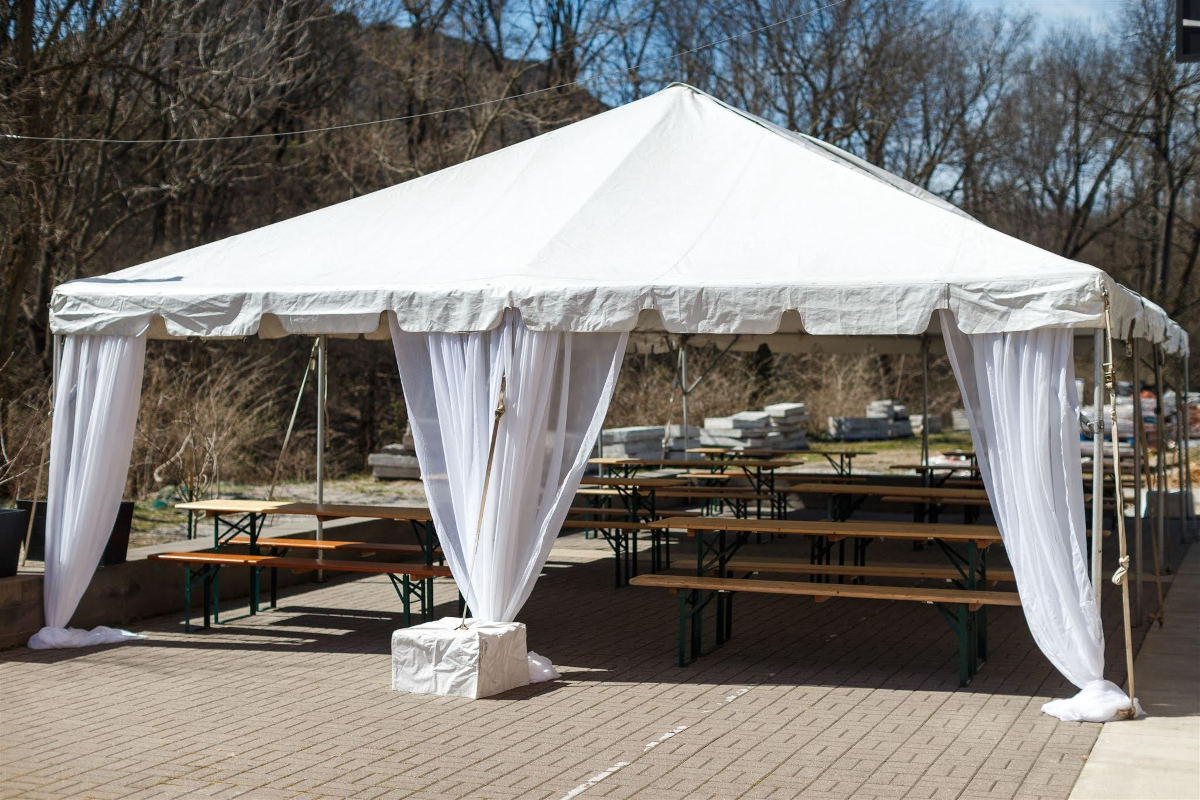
[
  {"x": 232, "y": 506},
  {"x": 755, "y": 452},
  {"x": 936, "y": 467},
  {"x": 632, "y": 483},
  {"x": 324, "y": 510},
  {"x": 950, "y": 493},
  {"x": 699, "y": 463},
  {"x": 919, "y": 531},
  {"x": 846, "y": 453}
]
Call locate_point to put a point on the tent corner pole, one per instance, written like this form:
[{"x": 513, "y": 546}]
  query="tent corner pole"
[
  {"x": 322, "y": 386},
  {"x": 1098, "y": 463},
  {"x": 1186, "y": 455},
  {"x": 683, "y": 393},
  {"x": 924, "y": 406},
  {"x": 1121, "y": 576},
  {"x": 1139, "y": 459}
]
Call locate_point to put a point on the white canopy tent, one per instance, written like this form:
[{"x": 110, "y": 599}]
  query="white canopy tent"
[{"x": 675, "y": 213}]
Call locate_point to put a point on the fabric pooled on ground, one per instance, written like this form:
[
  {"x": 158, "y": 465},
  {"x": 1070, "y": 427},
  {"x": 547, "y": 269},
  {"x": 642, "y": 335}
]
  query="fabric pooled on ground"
[
  {"x": 1099, "y": 701},
  {"x": 540, "y": 669},
  {"x": 49, "y": 638}
]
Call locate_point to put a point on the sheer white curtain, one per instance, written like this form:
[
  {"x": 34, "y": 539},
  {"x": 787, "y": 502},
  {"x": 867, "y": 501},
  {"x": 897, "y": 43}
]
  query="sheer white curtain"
[
  {"x": 1019, "y": 393},
  {"x": 96, "y": 395},
  {"x": 557, "y": 389}
]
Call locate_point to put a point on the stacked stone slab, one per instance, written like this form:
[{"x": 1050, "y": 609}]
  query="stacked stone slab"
[
  {"x": 780, "y": 426},
  {"x": 885, "y": 419},
  {"x": 396, "y": 461},
  {"x": 744, "y": 430},
  {"x": 788, "y": 426},
  {"x": 675, "y": 445},
  {"x": 638, "y": 441}
]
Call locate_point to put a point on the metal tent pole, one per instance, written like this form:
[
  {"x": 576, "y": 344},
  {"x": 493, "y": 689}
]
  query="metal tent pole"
[
  {"x": 1180, "y": 514},
  {"x": 1121, "y": 576},
  {"x": 1186, "y": 455},
  {"x": 1139, "y": 459},
  {"x": 322, "y": 386},
  {"x": 1160, "y": 461},
  {"x": 924, "y": 407},
  {"x": 683, "y": 392},
  {"x": 1098, "y": 463}
]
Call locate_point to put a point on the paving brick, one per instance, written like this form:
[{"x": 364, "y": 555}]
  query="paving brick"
[{"x": 836, "y": 700}]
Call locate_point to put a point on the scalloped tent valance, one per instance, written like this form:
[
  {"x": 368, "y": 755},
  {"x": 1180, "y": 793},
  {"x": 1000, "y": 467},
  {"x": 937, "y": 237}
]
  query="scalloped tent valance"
[{"x": 675, "y": 212}]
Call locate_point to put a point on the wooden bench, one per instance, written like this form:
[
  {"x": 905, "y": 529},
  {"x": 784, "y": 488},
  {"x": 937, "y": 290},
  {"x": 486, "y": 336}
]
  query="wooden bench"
[
  {"x": 208, "y": 565},
  {"x": 796, "y": 566},
  {"x": 959, "y": 607},
  {"x": 363, "y": 548},
  {"x": 623, "y": 513}
]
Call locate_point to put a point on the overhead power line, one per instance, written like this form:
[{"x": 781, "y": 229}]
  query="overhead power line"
[{"x": 437, "y": 112}]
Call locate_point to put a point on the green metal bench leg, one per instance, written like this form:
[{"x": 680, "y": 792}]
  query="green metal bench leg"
[
  {"x": 981, "y": 633},
  {"x": 404, "y": 599},
  {"x": 187, "y": 599},
  {"x": 683, "y": 620},
  {"x": 965, "y": 670}
]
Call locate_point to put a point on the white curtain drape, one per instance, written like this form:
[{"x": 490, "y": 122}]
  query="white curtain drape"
[
  {"x": 1020, "y": 398},
  {"x": 558, "y": 386},
  {"x": 96, "y": 395}
]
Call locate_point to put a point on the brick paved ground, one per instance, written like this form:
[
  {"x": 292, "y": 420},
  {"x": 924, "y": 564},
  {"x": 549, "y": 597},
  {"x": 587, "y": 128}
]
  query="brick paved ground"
[{"x": 842, "y": 699}]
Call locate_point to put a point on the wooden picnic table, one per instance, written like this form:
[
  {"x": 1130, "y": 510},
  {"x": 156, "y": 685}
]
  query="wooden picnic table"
[
  {"x": 760, "y": 473},
  {"x": 927, "y": 472},
  {"x": 718, "y": 540},
  {"x": 844, "y": 463},
  {"x": 722, "y": 453},
  {"x": 240, "y": 517},
  {"x": 841, "y": 503}
]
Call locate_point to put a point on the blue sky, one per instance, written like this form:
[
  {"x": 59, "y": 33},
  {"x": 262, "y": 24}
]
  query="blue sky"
[{"x": 1057, "y": 12}]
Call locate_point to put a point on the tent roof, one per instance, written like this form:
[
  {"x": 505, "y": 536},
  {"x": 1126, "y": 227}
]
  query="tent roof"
[{"x": 675, "y": 212}]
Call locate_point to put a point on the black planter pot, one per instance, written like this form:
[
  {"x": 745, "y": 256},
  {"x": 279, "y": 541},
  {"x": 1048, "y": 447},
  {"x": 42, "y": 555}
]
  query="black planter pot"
[
  {"x": 118, "y": 541},
  {"x": 12, "y": 535}
]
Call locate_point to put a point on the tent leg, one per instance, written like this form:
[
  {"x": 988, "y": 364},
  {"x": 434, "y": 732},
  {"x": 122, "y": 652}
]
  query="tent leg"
[
  {"x": 1122, "y": 574},
  {"x": 1139, "y": 459},
  {"x": 1186, "y": 454},
  {"x": 683, "y": 394},
  {"x": 924, "y": 408},
  {"x": 1180, "y": 427},
  {"x": 1160, "y": 484},
  {"x": 322, "y": 387},
  {"x": 1098, "y": 464}
]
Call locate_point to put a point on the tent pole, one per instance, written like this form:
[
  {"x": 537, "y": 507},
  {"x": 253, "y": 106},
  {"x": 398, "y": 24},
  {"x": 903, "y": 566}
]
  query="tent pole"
[
  {"x": 1186, "y": 455},
  {"x": 322, "y": 385},
  {"x": 1139, "y": 459},
  {"x": 683, "y": 392},
  {"x": 1180, "y": 514},
  {"x": 1098, "y": 463},
  {"x": 1160, "y": 460},
  {"x": 1160, "y": 482},
  {"x": 924, "y": 407},
  {"x": 1121, "y": 576}
]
